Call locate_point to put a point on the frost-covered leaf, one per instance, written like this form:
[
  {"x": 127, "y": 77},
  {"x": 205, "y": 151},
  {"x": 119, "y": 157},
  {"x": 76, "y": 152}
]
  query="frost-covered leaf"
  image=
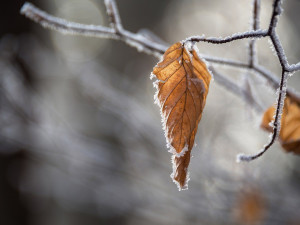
[
  {"x": 290, "y": 125},
  {"x": 182, "y": 86}
]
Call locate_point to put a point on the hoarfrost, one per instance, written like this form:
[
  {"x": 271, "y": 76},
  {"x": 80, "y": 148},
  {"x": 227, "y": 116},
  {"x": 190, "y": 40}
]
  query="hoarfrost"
[
  {"x": 189, "y": 47},
  {"x": 152, "y": 76},
  {"x": 205, "y": 61},
  {"x": 183, "y": 151},
  {"x": 272, "y": 47},
  {"x": 64, "y": 26}
]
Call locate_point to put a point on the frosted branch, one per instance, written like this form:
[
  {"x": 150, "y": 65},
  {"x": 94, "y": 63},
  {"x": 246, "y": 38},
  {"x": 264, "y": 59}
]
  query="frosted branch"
[
  {"x": 256, "y": 13},
  {"x": 235, "y": 89},
  {"x": 66, "y": 27},
  {"x": 293, "y": 67},
  {"x": 277, "y": 10},
  {"x": 268, "y": 75},
  {"x": 227, "y": 62},
  {"x": 238, "y": 36},
  {"x": 279, "y": 51},
  {"x": 150, "y": 46},
  {"x": 276, "y": 123},
  {"x": 135, "y": 40}
]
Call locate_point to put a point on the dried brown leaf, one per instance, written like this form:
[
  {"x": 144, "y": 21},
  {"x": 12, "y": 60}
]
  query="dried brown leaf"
[
  {"x": 250, "y": 207},
  {"x": 182, "y": 87},
  {"x": 290, "y": 125}
]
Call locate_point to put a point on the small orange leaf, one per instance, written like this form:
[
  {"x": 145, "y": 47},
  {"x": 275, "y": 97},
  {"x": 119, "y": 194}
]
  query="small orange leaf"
[
  {"x": 290, "y": 125},
  {"x": 182, "y": 87},
  {"x": 250, "y": 207}
]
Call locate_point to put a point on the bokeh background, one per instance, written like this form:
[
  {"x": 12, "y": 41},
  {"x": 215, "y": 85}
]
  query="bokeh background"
[{"x": 81, "y": 140}]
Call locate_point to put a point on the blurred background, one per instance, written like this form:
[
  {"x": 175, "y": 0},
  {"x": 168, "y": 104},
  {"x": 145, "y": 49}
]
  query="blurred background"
[{"x": 81, "y": 141}]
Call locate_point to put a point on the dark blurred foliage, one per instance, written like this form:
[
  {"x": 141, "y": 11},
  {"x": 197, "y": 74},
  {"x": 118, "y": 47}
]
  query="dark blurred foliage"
[{"x": 12, "y": 209}]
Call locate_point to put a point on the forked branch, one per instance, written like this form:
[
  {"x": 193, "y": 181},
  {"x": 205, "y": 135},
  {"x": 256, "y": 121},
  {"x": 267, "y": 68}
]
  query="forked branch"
[{"x": 143, "y": 44}]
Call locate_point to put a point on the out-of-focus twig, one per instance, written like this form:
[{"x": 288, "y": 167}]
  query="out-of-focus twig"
[{"x": 238, "y": 90}]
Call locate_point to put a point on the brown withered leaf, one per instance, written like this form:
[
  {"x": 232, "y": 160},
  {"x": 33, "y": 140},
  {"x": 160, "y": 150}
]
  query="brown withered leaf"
[
  {"x": 289, "y": 136},
  {"x": 182, "y": 86},
  {"x": 250, "y": 207}
]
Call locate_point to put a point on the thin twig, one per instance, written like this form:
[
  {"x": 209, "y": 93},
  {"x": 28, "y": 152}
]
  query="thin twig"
[
  {"x": 238, "y": 36},
  {"x": 255, "y": 26},
  {"x": 276, "y": 123},
  {"x": 236, "y": 89},
  {"x": 279, "y": 51},
  {"x": 226, "y": 62},
  {"x": 277, "y": 10},
  {"x": 113, "y": 14}
]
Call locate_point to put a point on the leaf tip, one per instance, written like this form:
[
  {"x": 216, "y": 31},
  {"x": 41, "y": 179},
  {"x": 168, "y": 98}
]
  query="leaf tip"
[{"x": 180, "y": 174}]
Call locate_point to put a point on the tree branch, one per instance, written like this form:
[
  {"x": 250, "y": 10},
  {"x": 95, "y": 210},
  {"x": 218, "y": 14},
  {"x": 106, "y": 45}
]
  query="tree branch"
[
  {"x": 143, "y": 44},
  {"x": 268, "y": 75},
  {"x": 66, "y": 27}
]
